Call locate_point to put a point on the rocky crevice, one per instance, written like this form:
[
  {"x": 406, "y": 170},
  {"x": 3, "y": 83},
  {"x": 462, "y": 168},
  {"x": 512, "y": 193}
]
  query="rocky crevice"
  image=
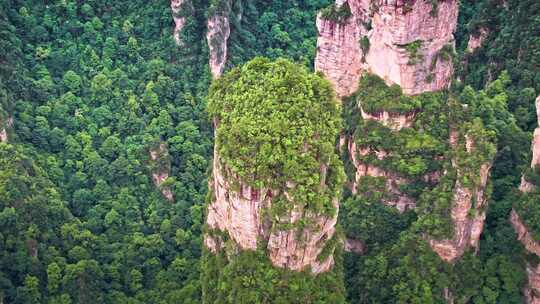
[{"x": 409, "y": 43}]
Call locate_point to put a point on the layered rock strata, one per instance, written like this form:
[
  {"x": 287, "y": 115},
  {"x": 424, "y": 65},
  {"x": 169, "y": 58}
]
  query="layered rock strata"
[
  {"x": 218, "y": 32},
  {"x": 179, "y": 8},
  {"x": 408, "y": 43},
  {"x": 240, "y": 211},
  {"x": 532, "y": 289}
]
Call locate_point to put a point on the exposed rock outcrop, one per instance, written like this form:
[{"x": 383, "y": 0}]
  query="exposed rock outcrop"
[
  {"x": 354, "y": 246},
  {"x": 241, "y": 211},
  {"x": 532, "y": 289},
  {"x": 394, "y": 121},
  {"x": 468, "y": 210},
  {"x": 526, "y": 186},
  {"x": 218, "y": 32},
  {"x": 4, "y": 127},
  {"x": 3, "y": 135},
  {"x": 476, "y": 40},
  {"x": 398, "y": 199},
  {"x": 404, "y": 42},
  {"x": 161, "y": 169},
  {"x": 178, "y": 8},
  {"x": 523, "y": 234}
]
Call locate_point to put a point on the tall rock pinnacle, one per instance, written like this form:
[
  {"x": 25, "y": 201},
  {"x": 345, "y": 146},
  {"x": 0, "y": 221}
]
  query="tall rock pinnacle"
[{"x": 408, "y": 43}]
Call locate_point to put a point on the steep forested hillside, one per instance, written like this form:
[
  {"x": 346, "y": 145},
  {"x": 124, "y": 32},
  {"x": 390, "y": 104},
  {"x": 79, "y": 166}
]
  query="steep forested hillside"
[{"x": 107, "y": 136}]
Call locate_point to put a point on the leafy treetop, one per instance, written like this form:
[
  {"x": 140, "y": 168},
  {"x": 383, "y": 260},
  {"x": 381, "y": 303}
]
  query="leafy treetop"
[{"x": 277, "y": 123}]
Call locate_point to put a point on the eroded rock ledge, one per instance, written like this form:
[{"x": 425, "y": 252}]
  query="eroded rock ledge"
[{"x": 409, "y": 43}]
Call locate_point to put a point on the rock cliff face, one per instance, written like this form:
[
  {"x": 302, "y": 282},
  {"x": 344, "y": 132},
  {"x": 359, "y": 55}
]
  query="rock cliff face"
[
  {"x": 217, "y": 35},
  {"x": 532, "y": 289},
  {"x": 404, "y": 42},
  {"x": 394, "y": 121},
  {"x": 178, "y": 8},
  {"x": 240, "y": 211},
  {"x": 3, "y": 128},
  {"x": 468, "y": 212},
  {"x": 161, "y": 169},
  {"x": 525, "y": 186},
  {"x": 398, "y": 199},
  {"x": 476, "y": 41}
]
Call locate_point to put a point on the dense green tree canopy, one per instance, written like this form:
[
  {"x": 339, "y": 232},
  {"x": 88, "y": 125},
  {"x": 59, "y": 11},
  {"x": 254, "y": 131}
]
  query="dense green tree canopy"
[{"x": 276, "y": 122}]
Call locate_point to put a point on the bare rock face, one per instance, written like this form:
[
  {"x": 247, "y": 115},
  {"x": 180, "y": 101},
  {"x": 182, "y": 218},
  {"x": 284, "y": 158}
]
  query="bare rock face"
[
  {"x": 339, "y": 55},
  {"x": 179, "y": 20},
  {"x": 476, "y": 41},
  {"x": 532, "y": 290},
  {"x": 394, "y": 121},
  {"x": 409, "y": 42},
  {"x": 217, "y": 35},
  {"x": 525, "y": 186},
  {"x": 468, "y": 211},
  {"x": 240, "y": 211},
  {"x": 160, "y": 161}
]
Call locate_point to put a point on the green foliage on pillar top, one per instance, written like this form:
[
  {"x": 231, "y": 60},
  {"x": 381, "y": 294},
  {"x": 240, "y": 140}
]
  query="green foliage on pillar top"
[{"x": 277, "y": 125}]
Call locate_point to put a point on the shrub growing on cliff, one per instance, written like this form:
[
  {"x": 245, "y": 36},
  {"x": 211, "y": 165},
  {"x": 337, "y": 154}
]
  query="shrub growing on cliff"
[
  {"x": 277, "y": 125},
  {"x": 338, "y": 14}
]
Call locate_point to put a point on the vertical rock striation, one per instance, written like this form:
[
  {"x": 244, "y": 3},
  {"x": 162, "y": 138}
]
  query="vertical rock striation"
[
  {"x": 218, "y": 32},
  {"x": 524, "y": 235},
  {"x": 179, "y": 10},
  {"x": 276, "y": 178},
  {"x": 409, "y": 43},
  {"x": 468, "y": 211},
  {"x": 241, "y": 211},
  {"x": 526, "y": 186}
]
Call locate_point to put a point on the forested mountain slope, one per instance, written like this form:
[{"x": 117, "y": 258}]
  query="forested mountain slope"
[{"x": 107, "y": 121}]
